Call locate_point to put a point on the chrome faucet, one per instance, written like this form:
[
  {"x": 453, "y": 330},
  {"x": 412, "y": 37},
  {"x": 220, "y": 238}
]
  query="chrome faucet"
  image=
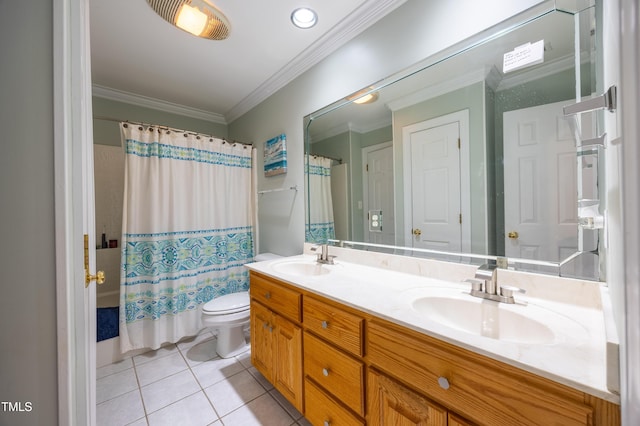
[
  {"x": 323, "y": 256},
  {"x": 485, "y": 285}
]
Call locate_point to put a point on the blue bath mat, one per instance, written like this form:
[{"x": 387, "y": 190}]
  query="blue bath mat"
[{"x": 107, "y": 320}]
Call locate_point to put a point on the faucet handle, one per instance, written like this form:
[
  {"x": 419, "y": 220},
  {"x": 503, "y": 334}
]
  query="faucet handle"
[
  {"x": 507, "y": 290},
  {"x": 476, "y": 285}
]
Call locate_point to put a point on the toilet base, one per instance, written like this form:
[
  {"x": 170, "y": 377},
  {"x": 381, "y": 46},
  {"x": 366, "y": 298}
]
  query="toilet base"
[{"x": 231, "y": 341}]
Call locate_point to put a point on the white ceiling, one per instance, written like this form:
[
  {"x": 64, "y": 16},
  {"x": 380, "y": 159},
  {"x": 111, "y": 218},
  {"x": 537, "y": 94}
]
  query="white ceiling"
[{"x": 135, "y": 52}]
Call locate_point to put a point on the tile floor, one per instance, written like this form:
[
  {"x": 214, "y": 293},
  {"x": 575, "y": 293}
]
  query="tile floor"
[{"x": 187, "y": 384}]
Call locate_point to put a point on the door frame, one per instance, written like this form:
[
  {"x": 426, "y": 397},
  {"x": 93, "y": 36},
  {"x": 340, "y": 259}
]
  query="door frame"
[
  {"x": 73, "y": 195},
  {"x": 461, "y": 117},
  {"x": 365, "y": 182}
]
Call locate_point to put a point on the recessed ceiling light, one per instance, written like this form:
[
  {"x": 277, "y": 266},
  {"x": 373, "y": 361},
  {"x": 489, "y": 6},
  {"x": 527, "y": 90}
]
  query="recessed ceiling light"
[{"x": 304, "y": 17}]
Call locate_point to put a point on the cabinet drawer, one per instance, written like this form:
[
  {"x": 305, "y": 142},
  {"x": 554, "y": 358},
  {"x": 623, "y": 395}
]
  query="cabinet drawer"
[
  {"x": 335, "y": 371},
  {"x": 322, "y": 410},
  {"x": 336, "y": 325},
  {"x": 481, "y": 389},
  {"x": 276, "y": 297}
]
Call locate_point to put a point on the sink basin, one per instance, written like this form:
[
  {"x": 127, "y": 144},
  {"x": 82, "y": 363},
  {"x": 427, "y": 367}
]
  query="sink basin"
[
  {"x": 301, "y": 268},
  {"x": 486, "y": 318}
]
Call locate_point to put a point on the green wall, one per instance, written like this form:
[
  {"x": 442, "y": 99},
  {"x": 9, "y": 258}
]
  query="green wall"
[{"x": 108, "y": 132}]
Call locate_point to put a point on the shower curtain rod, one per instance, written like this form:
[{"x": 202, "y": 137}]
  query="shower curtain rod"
[
  {"x": 173, "y": 129},
  {"x": 339, "y": 160}
]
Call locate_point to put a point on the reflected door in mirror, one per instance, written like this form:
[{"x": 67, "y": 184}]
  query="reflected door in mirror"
[
  {"x": 378, "y": 193},
  {"x": 435, "y": 184},
  {"x": 540, "y": 185}
]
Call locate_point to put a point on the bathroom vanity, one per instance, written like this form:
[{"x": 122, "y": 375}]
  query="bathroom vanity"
[{"x": 355, "y": 344}]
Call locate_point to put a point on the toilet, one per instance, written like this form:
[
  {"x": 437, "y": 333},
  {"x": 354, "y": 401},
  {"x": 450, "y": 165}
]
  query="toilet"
[{"x": 229, "y": 315}]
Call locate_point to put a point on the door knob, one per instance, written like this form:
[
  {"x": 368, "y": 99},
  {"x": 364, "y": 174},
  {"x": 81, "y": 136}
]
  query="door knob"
[
  {"x": 513, "y": 235},
  {"x": 417, "y": 232}
]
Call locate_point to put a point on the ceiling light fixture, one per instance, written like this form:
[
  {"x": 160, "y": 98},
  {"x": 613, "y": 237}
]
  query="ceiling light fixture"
[
  {"x": 198, "y": 17},
  {"x": 304, "y": 18}
]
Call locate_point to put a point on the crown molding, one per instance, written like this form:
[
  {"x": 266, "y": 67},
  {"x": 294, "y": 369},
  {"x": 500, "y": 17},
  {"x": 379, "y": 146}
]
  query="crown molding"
[
  {"x": 351, "y": 127},
  {"x": 366, "y": 15},
  {"x": 431, "y": 92},
  {"x": 147, "y": 102}
]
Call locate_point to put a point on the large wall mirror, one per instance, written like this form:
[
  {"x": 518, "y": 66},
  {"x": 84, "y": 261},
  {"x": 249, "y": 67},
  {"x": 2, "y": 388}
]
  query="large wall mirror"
[{"x": 468, "y": 156}]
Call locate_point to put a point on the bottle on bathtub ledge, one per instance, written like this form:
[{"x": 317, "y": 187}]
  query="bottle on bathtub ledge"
[{"x": 104, "y": 240}]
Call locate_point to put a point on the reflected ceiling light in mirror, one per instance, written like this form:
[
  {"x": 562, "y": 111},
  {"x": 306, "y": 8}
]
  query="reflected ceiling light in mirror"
[
  {"x": 304, "y": 17},
  {"x": 362, "y": 97},
  {"x": 197, "y": 17}
]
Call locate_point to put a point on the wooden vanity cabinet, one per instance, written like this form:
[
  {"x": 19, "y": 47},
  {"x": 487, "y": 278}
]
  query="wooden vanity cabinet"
[
  {"x": 333, "y": 366},
  {"x": 341, "y": 366},
  {"x": 391, "y": 403},
  {"x": 476, "y": 387},
  {"x": 276, "y": 337}
]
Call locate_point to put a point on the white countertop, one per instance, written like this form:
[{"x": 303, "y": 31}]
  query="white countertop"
[{"x": 576, "y": 356}]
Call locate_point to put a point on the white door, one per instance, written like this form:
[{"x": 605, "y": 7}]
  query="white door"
[
  {"x": 435, "y": 188},
  {"x": 378, "y": 211},
  {"x": 76, "y": 304},
  {"x": 540, "y": 184}
]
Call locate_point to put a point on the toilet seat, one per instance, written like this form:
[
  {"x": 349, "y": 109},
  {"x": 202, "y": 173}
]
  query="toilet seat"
[{"x": 227, "y": 304}]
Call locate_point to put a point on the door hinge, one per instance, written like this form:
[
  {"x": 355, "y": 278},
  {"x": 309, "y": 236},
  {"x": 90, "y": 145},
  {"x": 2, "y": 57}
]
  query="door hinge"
[
  {"x": 458, "y": 143},
  {"x": 460, "y": 218},
  {"x": 367, "y": 167}
]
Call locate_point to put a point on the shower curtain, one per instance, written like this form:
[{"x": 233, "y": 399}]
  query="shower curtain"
[
  {"x": 319, "y": 203},
  {"x": 187, "y": 231}
]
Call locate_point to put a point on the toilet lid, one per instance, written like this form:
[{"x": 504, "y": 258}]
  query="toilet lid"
[{"x": 227, "y": 304}]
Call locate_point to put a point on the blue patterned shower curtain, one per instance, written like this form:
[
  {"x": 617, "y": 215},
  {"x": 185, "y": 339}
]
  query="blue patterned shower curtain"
[
  {"x": 187, "y": 231},
  {"x": 320, "y": 224}
]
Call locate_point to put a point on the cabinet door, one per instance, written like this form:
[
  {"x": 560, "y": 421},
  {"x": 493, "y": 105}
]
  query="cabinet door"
[
  {"x": 262, "y": 340},
  {"x": 390, "y": 403},
  {"x": 458, "y": 421},
  {"x": 288, "y": 364}
]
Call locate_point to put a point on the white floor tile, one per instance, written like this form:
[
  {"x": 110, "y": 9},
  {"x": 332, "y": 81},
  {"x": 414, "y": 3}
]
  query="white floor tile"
[
  {"x": 188, "y": 342},
  {"x": 260, "y": 378},
  {"x": 289, "y": 408},
  {"x": 121, "y": 410},
  {"x": 245, "y": 358},
  {"x": 215, "y": 370},
  {"x": 169, "y": 390},
  {"x": 200, "y": 352},
  {"x": 233, "y": 393},
  {"x": 116, "y": 367},
  {"x": 160, "y": 368},
  {"x": 194, "y": 410},
  {"x": 153, "y": 355},
  {"x": 109, "y": 387},
  {"x": 264, "y": 411},
  {"x": 140, "y": 422}
]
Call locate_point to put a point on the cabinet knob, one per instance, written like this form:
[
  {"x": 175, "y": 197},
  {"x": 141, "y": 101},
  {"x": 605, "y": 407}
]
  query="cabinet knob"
[
  {"x": 325, "y": 324},
  {"x": 325, "y": 372},
  {"x": 326, "y": 423},
  {"x": 267, "y": 295},
  {"x": 443, "y": 382}
]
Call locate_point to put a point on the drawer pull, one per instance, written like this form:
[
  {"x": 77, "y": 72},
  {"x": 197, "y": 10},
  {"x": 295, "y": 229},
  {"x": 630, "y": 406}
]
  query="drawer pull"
[
  {"x": 327, "y": 423},
  {"x": 325, "y": 324},
  {"x": 443, "y": 382},
  {"x": 325, "y": 372},
  {"x": 267, "y": 295}
]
